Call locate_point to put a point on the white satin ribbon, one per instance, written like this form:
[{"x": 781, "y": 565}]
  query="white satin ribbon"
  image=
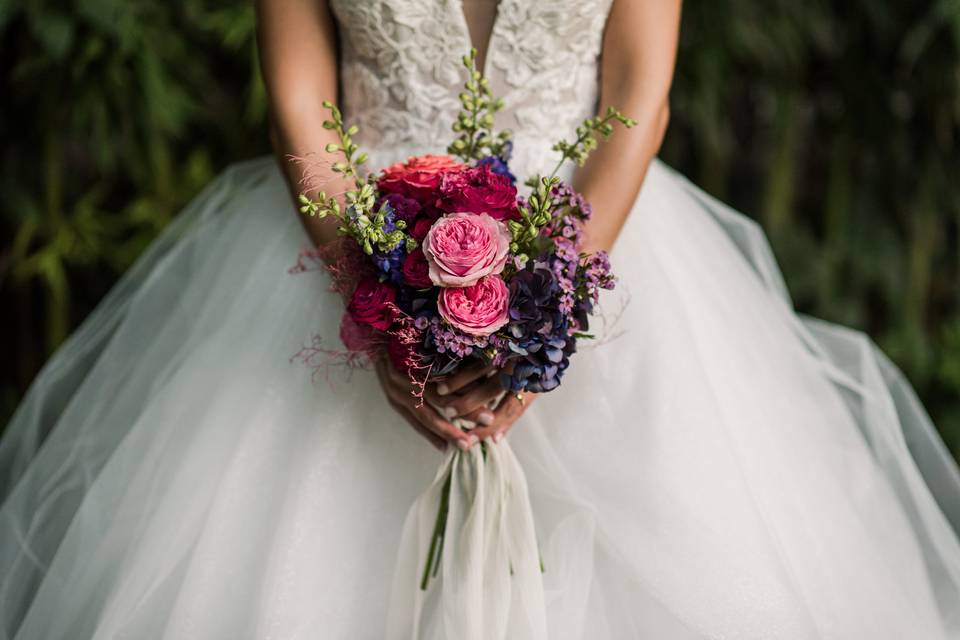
[{"x": 489, "y": 585}]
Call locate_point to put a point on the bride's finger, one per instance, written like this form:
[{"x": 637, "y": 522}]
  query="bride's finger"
[
  {"x": 475, "y": 398},
  {"x": 431, "y": 437},
  {"x": 505, "y": 416},
  {"x": 399, "y": 379},
  {"x": 462, "y": 378},
  {"x": 430, "y": 419},
  {"x": 483, "y": 417}
]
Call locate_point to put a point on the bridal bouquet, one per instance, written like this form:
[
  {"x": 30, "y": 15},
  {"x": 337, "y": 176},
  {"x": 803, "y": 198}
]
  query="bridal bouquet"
[
  {"x": 446, "y": 264},
  {"x": 456, "y": 266}
]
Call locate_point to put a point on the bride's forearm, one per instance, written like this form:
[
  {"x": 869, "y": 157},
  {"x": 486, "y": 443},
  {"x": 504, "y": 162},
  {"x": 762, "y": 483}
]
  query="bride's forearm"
[
  {"x": 297, "y": 44},
  {"x": 639, "y": 49},
  {"x": 612, "y": 177}
]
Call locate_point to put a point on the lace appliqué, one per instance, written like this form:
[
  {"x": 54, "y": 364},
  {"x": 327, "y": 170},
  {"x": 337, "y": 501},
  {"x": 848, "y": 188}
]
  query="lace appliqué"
[{"x": 401, "y": 73}]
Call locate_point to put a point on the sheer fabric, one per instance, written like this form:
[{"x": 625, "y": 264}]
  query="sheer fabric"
[{"x": 715, "y": 466}]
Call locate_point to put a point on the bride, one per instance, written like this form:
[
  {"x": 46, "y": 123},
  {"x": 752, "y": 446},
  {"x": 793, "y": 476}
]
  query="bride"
[{"x": 716, "y": 466}]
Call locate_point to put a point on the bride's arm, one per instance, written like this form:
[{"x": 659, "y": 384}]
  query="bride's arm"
[
  {"x": 298, "y": 56},
  {"x": 639, "y": 50}
]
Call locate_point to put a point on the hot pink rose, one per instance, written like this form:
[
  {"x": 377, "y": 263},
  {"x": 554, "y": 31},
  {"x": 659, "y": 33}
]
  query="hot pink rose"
[
  {"x": 418, "y": 177},
  {"x": 461, "y": 248},
  {"x": 416, "y": 271},
  {"x": 479, "y": 190},
  {"x": 480, "y": 309},
  {"x": 372, "y": 304}
]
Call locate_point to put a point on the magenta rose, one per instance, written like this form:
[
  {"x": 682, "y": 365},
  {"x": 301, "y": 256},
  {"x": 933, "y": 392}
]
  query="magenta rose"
[
  {"x": 416, "y": 271},
  {"x": 418, "y": 178},
  {"x": 480, "y": 309},
  {"x": 479, "y": 190},
  {"x": 372, "y": 304},
  {"x": 461, "y": 248}
]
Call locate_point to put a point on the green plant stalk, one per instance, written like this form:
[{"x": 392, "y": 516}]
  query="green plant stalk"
[
  {"x": 526, "y": 232},
  {"x": 436, "y": 540}
]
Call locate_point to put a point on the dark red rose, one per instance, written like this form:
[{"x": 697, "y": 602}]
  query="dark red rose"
[
  {"x": 416, "y": 270},
  {"x": 400, "y": 354},
  {"x": 372, "y": 304},
  {"x": 420, "y": 228},
  {"x": 478, "y": 190},
  {"x": 418, "y": 177},
  {"x": 404, "y": 208}
]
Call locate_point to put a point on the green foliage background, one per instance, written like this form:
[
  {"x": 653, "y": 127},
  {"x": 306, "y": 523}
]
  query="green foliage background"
[{"x": 836, "y": 123}]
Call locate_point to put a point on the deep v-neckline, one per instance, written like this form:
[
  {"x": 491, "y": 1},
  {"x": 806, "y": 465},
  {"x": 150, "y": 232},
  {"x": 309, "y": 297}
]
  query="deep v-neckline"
[{"x": 458, "y": 6}]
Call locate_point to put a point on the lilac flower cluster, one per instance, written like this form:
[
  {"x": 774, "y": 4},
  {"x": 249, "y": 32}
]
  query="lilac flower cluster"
[{"x": 446, "y": 339}]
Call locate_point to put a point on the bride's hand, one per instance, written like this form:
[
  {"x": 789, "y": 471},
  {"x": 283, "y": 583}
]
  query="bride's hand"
[
  {"x": 507, "y": 412},
  {"x": 426, "y": 421},
  {"x": 468, "y": 394}
]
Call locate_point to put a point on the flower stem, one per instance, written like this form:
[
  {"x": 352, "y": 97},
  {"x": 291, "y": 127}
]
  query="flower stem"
[{"x": 436, "y": 541}]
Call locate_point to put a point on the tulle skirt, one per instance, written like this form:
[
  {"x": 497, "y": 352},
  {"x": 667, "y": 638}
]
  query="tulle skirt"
[{"x": 714, "y": 466}]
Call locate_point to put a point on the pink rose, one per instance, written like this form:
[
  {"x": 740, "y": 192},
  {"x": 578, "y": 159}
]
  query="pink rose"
[
  {"x": 372, "y": 304},
  {"x": 461, "y": 248},
  {"x": 479, "y": 190},
  {"x": 418, "y": 178},
  {"x": 416, "y": 271},
  {"x": 480, "y": 309}
]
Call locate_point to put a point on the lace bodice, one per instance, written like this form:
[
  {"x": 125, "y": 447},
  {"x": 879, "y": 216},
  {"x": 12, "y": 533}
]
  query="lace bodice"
[{"x": 401, "y": 71}]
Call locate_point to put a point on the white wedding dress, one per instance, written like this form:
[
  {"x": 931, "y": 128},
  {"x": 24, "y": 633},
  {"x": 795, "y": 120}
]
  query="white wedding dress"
[{"x": 715, "y": 466}]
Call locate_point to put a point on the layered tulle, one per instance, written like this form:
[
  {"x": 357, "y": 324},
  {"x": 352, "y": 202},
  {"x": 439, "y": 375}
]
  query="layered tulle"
[{"x": 714, "y": 466}]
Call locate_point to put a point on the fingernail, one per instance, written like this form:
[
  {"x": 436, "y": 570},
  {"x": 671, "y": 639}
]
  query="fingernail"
[
  {"x": 485, "y": 418},
  {"x": 464, "y": 444},
  {"x": 449, "y": 413},
  {"x": 497, "y": 437},
  {"x": 472, "y": 440},
  {"x": 443, "y": 389}
]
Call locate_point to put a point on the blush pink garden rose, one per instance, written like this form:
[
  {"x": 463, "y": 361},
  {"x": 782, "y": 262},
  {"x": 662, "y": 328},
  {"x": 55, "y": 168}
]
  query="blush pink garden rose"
[
  {"x": 419, "y": 177},
  {"x": 461, "y": 248},
  {"x": 480, "y": 309}
]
